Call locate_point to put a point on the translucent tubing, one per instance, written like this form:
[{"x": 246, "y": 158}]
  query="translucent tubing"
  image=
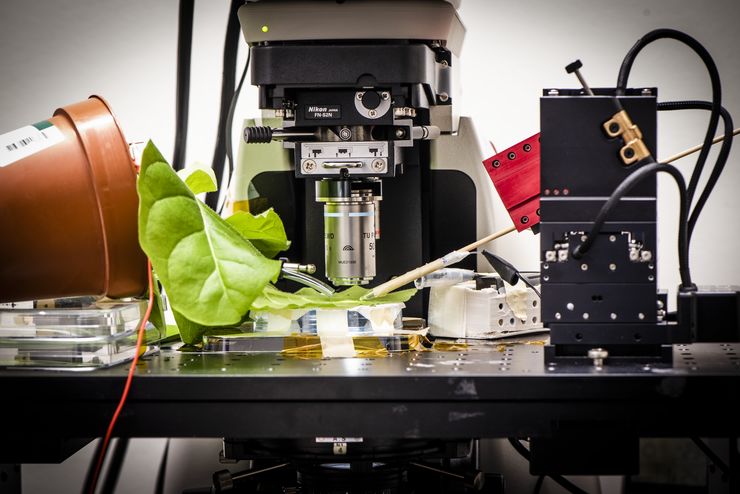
[{"x": 444, "y": 277}]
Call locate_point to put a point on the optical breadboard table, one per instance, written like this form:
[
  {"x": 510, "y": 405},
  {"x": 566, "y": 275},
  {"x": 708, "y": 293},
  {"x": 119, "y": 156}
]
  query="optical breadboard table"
[{"x": 485, "y": 390}]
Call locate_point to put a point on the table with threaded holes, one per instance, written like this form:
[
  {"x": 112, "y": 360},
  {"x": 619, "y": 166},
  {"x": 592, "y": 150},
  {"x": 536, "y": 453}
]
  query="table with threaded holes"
[{"x": 486, "y": 390}]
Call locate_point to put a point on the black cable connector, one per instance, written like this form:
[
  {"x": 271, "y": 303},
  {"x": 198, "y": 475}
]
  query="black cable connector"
[{"x": 507, "y": 271}]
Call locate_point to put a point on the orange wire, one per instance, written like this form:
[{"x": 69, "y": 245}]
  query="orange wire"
[{"x": 127, "y": 387}]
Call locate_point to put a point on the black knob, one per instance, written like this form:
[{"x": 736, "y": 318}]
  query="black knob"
[
  {"x": 572, "y": 67},
  {"x": 371, "y": 100},
  {"x": 259, "y": 135}
]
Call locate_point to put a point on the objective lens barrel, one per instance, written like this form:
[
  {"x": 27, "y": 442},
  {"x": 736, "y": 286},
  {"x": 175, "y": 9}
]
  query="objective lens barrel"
[
  {"x": 349, "y": 236},
  {"x": 349, "y": 230}
]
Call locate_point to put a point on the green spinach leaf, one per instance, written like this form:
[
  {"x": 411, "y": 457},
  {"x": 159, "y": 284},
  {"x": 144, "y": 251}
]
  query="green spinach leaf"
[
  {"x": 211, "y": 273},
  {"x": 199, "y": 178},
  {"x": 273, "y": 299},
  {"x": 265, "y": 231}
]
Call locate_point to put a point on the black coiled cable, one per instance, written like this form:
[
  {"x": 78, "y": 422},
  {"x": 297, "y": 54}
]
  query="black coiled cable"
[
  {"x": 719, "y": 165},
  {"x": 624, "y": 73}
]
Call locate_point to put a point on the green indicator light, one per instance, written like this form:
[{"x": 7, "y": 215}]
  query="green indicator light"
[{"x": 265, "y": 28}]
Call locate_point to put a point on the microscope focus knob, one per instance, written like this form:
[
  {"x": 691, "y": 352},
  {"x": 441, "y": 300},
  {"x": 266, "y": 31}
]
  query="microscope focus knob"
[
  {"x": 258, "y": 135},
  {"x": 371, "y": 100}
]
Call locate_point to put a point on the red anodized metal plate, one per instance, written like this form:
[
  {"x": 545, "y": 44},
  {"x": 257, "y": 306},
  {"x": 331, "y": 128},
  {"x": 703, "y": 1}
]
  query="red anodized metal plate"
[{"x": 515, "y": 172}]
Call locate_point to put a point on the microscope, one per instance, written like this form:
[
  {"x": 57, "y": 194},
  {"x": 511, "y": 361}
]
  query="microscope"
[{"x": 359, "y": 96}]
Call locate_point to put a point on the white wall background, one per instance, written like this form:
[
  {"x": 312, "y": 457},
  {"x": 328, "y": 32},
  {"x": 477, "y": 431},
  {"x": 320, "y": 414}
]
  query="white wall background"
[{"x": 54, "y": 52}]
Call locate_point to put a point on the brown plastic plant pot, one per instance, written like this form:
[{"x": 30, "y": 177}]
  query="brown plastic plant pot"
[{"x": 68, "y": 213}]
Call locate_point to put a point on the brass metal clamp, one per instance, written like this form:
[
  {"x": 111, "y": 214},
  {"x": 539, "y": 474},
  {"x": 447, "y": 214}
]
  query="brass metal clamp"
[{"x": 634, "y": 149}]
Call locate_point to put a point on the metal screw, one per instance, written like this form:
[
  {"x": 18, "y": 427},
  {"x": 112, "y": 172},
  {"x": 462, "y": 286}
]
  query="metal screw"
[
  {"x": 613, "y": 267},
  {"x": 525, "y": 220},
  {"x": 612, "y": 238},
  {"x": 584, "y": 267},
  {"x": 400, "y": 133},
  {"x": 359, "y": 95},
  {"x": 646, "y": 92},
  {"x": 345, "y": 134},
  {"x": 585, "y": 316},
  {"x": 527, "y": 148},
  {"x": 385, "y": 95},
  {"x": 598, "y": 355},
  {"x": 557, "y": 315},
  {"x": 511, "y": 155},
  {"x": 496, "y": 163},
  {"x": 308, "y": 166},
  {"x": 613, "y": 316},
  {"x": 553, "y": 92},
  {"x": 570, "y": 306},
  {"x": 443, "y": 97},
  {"x": 371, "y": 113},
  {"x": 646, "y": 255},
  {"x": 641, "y": 316},
  {"x": 378, "y": 165}
]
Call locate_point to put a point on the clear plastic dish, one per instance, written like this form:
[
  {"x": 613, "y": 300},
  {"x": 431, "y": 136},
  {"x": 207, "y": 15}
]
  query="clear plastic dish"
[{"x": 90, "y": 337}]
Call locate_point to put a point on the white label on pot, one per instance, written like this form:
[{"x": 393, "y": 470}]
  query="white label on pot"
[{"x": 28, "y": 140}]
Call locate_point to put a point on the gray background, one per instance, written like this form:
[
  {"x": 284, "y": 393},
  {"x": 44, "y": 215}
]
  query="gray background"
[{"x": 56, "y": 52}]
